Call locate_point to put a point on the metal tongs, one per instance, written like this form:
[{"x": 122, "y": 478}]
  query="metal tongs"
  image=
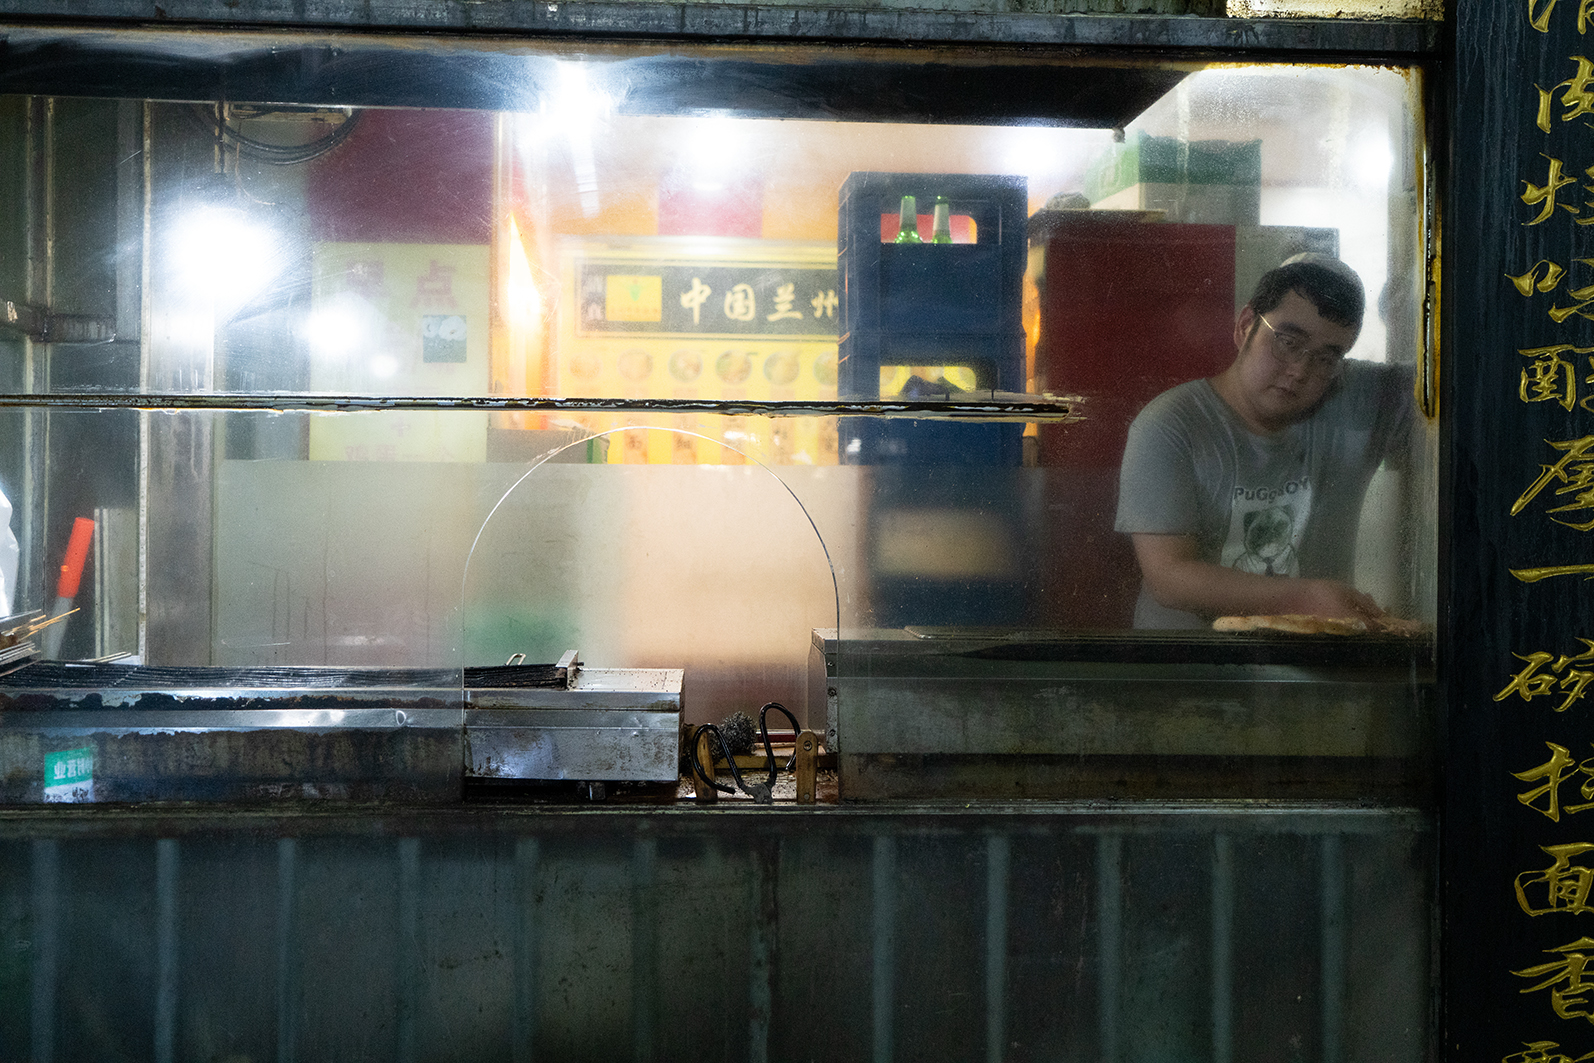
[{"x": 17, "y": 631}]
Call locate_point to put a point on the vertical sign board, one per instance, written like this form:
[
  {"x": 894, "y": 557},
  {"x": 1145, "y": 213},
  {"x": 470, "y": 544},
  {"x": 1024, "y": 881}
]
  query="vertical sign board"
[{"x": 1519, "y": 670}]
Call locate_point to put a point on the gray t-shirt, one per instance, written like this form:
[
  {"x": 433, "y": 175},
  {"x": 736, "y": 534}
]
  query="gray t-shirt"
[{"x": 1286, "y": 504}]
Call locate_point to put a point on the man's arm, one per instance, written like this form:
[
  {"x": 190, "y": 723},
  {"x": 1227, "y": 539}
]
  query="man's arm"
[{"x": 1178, "y": 579}]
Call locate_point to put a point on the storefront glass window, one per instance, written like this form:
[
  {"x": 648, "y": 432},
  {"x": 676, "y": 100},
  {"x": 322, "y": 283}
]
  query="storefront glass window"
[
  {"x": 798, "y": 374},
  {"x": 676, "y": 356}
]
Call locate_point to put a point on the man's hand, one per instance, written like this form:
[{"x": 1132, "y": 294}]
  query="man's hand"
[
  {"x": 1327, "y": 597},
  {"x": 1178, "y": 579}
]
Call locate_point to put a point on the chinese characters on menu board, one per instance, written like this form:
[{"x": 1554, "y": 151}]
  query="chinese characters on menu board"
[
  {"x": 702, "y": 299},
  {"x": 1550, "y": 478}
]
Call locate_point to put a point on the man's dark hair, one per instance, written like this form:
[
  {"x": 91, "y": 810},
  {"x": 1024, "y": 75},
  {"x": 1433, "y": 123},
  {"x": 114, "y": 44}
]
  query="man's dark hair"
[{"x": 1335, "y": 293}]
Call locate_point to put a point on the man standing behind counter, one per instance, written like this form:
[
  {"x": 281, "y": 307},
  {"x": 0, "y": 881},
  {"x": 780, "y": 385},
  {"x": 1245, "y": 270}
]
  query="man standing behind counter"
[{"x": 1242, "y": 493}]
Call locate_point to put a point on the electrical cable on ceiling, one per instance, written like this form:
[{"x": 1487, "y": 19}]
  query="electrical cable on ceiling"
[{"x": 225, "y": 131}]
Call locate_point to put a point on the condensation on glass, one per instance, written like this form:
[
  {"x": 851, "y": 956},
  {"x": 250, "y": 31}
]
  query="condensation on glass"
[
  {"x": 404, "y": 306},
  {"x": 588, "y": 370},
  {"x": 583, "y": 246}
]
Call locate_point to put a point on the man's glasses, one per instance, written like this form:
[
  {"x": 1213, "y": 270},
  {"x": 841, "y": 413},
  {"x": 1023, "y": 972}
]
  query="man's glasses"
[{"x": 1291, "y": 349}]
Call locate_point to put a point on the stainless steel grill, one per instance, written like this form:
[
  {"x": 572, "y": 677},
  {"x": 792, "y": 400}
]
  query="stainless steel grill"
[
  {"x": 136, "y": 733},
  {"x": 953, "y": 713}
]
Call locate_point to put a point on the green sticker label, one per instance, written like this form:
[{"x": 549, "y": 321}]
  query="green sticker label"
[{"x": 69, "y": 775}]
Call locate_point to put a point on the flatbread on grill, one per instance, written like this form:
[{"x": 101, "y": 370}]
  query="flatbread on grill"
[
  {"x": 1306, "y": 624},
  {"x": 1394, "y": 625},
  {"x": 1292, "y": 624}
]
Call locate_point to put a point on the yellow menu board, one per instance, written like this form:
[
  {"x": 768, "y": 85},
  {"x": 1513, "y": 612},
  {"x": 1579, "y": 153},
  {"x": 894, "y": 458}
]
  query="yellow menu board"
[{"x": 694, "y": 318}]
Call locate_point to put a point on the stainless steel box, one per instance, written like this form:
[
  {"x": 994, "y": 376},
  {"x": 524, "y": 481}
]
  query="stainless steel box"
[
  {"x": 951, "y": 713},
  {"x": 608, "y": 725}
]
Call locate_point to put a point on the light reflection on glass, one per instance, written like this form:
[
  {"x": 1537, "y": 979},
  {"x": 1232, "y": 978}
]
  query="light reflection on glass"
[
  {"x": 716, "y": 151},
  {"x": 341, "y": 327},
  {"x": 575, "y": 109},
  {"x": 221, "y": 252},
  {"x": 1372, "y": 160}
]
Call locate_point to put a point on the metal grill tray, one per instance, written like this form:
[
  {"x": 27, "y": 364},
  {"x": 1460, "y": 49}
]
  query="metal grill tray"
[
  {"x": 54, "y": 685},
  {"x": 226, "y": 734}
]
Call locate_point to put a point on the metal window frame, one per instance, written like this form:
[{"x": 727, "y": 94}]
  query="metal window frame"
[{"x": 1365, "y": 39}]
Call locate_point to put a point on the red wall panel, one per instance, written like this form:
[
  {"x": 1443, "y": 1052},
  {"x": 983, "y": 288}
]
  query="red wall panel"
[
  {"x": 406, "y": 176},
  {"x": 1129, "y": 309}
]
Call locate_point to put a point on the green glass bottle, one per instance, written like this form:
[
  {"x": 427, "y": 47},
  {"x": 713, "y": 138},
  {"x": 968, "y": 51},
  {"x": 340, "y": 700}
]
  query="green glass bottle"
[
  {"x": 908, "y": 222},
  {"x": 943, "y": 222}
]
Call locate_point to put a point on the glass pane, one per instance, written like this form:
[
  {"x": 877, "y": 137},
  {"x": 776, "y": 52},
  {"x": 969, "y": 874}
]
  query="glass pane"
[
  {"x": 879, "y": 340},
  {"x": 717, "y": 568}
]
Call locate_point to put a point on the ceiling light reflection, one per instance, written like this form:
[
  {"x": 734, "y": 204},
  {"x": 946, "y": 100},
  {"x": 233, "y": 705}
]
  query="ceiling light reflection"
[
  {"x": 574, "y": 109},
  {"x": 221, "y": 252},
  {"x": 1373, "y": 160},
  {"x": 346, "y": 324},
  {"x": 716, "y": 150}
]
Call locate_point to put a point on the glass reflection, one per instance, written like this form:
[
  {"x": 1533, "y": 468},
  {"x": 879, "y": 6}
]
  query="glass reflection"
[
  {"x": 582, "y": 248},
  {"x": 721, "y": 570}
]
